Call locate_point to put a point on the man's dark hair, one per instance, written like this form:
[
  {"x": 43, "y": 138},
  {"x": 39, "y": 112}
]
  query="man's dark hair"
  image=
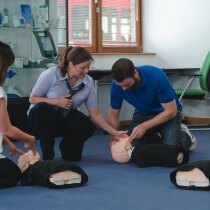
[{"x": 122, "y": 69}]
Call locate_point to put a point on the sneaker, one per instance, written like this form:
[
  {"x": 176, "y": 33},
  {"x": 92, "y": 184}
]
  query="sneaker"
[{"x": 193, "y": 144}]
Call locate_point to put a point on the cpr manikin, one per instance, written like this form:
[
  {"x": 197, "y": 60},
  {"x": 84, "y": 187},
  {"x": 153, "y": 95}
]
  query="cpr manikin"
[
  {"x": 121, "y": 150},
  {"x": 50, "y": 173},
  {"x": 192, "y": 176},
  {"x": 148, "y": 155}
]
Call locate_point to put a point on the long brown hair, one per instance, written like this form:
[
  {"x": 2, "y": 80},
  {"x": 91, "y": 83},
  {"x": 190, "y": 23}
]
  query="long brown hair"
[
  {"x": 75, "y": 55},
  {"x": 7, "y": 58}
]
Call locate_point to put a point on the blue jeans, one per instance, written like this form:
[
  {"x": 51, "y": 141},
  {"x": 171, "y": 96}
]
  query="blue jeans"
[{"x": 170, "y": 131}]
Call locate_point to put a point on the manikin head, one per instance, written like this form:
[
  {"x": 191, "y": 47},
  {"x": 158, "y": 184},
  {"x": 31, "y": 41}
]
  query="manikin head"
[
  {"x": 27, "y": 159},
  {"x": 120, "y": 150}
]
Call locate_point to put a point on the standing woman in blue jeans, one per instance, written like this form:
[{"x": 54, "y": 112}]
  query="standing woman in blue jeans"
[{"x": 55, "y": 99}]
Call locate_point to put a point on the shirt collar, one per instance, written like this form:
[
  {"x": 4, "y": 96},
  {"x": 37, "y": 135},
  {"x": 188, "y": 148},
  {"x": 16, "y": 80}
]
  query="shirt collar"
[
  {"x": 143, "y": 81},
  {"x": 79, "y": 81}
]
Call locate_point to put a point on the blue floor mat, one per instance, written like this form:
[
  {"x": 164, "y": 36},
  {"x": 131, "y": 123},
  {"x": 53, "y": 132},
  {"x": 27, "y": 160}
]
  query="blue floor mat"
[{"x": 112, "y": 186}]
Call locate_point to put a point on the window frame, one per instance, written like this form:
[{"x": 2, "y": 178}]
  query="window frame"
[{"x": 97, "y": 47}]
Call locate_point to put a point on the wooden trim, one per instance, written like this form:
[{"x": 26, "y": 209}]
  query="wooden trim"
[
  {"x": 94, "y": 38},
  {"x": 197, "y": 121},
  {"x": 187, "y": 120},
  {"x": 125, "y": 49},
  {"x": 125, "y": 122}
]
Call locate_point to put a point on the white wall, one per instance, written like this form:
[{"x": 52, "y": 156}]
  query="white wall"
[{"x": 179, "y": 33}]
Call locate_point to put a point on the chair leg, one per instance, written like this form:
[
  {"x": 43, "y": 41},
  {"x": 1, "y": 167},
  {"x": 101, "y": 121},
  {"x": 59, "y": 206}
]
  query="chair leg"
[{"x": 186, "y": 87}]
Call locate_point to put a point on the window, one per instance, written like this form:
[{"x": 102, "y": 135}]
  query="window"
[{"x": 105, "y": 26}]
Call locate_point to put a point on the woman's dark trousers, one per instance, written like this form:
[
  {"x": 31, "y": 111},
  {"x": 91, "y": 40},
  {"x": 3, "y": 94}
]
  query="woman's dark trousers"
[{"x": 49, "y": 122}]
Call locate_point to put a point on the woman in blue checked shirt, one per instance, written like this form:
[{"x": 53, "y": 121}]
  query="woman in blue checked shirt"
[{"x": 55, "y": 99}]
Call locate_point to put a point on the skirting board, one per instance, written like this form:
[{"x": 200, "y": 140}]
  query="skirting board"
[
  {"x": 197, "y": 121},
  {"x": 125, "y": 122}
]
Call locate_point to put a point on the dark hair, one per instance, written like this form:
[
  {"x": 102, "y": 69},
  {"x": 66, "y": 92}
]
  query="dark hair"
[
  {"x": 122, "y": 69},
  {"x": 7, "y": 58},
  {"x": 75, "y": 55}
]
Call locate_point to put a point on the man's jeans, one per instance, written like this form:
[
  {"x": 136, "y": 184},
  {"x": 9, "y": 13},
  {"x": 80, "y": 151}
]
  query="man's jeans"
[{"x": 170, "y": 131}]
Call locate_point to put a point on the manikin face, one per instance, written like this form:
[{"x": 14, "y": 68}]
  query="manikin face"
[
  {"x": 27, "y": 159},
  {"x": 119, "y": 150},
  {"x": 79, "y": 70}
]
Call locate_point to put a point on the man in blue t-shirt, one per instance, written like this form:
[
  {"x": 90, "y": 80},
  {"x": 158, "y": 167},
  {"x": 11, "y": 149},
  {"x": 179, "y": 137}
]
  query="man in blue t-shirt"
[{"x": 157, "y": 108}]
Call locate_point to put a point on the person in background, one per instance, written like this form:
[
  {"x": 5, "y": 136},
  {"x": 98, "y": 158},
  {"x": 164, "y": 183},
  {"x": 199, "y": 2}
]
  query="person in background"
[
  {"x": 55, "y": 99},
  {"x": 9, "y": 173},
  {"x": 157, "y": 108}
]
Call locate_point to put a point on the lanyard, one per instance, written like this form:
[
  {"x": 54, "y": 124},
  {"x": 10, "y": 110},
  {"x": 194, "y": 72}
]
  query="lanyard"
[{"x": 73, "y": 91}]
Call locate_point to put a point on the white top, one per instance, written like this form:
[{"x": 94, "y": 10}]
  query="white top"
[{"x": 2, "y": 95}]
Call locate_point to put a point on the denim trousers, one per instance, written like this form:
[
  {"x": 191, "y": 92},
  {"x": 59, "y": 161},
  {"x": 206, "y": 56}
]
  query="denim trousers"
[
  {"x": 74, "y": 128},
  {"x": 170, "y": 131}
]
